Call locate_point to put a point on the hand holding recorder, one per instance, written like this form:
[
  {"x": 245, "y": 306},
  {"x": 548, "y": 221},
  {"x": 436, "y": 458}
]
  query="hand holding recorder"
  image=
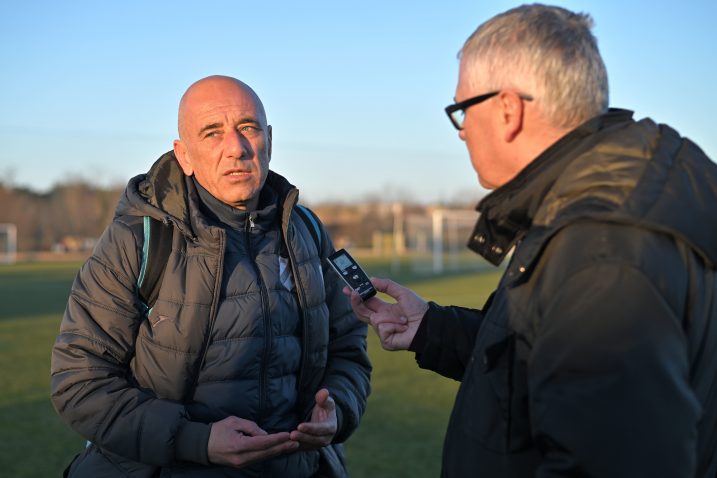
[{"x": 395, "y": 323}]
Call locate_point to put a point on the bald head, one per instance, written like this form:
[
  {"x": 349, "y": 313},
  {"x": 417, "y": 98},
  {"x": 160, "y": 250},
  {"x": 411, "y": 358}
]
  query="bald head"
[{"x": 208, "y": 90}]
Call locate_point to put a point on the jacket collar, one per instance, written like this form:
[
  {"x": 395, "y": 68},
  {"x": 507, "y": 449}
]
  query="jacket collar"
[
  {"x": 508, "y": 212},
  {"x": 167, "y": 194}
]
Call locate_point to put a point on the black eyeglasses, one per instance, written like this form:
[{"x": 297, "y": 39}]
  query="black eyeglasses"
[{"x": 457, "y": 114}]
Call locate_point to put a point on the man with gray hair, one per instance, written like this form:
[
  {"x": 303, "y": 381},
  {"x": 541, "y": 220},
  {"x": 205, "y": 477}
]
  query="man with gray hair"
[{"x": 597, "y": 353}]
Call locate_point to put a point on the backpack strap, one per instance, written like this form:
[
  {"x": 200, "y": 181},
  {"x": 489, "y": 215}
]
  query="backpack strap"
[
  {"x": 312, "y": 223},
  {"x": 155, "y": 252}
]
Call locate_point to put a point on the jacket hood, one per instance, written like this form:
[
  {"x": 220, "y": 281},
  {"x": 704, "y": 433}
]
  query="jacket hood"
[
  {"x": 165, "y": 193},
  {"x": 682, "y": 197},
  {"x": 611, "y": 169},
  {"x": 648, "y": 176}
]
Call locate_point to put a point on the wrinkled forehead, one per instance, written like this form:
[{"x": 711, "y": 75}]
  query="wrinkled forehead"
[{"x": 219, "y": 97}]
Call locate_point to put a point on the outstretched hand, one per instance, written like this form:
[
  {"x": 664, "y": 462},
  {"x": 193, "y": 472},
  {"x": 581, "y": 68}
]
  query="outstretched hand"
[
  {"x": 237, "y": 442},
  {"x": 321, "y": 428},
  {"x": 395, "y": 323}
]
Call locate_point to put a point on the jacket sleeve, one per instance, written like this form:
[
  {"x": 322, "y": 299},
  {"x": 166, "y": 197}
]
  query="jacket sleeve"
[
  {"x": 92, "y": 386},
  {"x": 446, "y": 338},
  {"x": 609, "y": 379},
  {"x": 348, "y": 369}
]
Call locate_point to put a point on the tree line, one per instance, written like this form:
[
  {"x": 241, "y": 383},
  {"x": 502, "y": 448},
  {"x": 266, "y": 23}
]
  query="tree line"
[
  {"x": 71, "y": 210},
  {"x": 76, "y": 213}
]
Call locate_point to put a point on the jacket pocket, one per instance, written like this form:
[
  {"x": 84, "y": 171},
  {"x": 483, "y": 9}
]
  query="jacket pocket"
[
  {"x": 491, "y": 406},
  {"x": 482, "y": 408},
  {"x": 94, "y": 462}
]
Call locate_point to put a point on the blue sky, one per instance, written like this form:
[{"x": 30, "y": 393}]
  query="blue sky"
[{"x": 354, "y": 90}]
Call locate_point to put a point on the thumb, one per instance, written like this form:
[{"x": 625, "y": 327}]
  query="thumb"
[
  {"x": 323, "y": 398},
  {"x": 388, "y": 287}
]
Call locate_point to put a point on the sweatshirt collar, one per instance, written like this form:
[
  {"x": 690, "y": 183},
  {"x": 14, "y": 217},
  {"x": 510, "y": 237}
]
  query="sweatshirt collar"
[{"x": 220, "y": 213}]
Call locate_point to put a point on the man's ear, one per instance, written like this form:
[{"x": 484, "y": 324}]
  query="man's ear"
[
  {"x": 269, "y": 136},
  {"x": 512, "y": 111},
  {"x": 180, "y": 151}
]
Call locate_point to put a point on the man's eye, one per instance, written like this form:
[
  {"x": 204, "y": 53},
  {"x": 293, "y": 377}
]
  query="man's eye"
[
  {"x": 211, "y": 134},
  {"x": 247, "y": 128}
]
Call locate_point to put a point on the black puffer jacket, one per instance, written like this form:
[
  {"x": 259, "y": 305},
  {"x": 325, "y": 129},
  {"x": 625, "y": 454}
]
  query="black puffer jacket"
[
  {"x": 597, "y": 354},
  {"x": 225, "y": 336}
]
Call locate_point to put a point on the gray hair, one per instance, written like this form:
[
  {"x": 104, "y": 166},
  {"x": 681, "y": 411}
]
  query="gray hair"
[{"x": 546, "y": 52}]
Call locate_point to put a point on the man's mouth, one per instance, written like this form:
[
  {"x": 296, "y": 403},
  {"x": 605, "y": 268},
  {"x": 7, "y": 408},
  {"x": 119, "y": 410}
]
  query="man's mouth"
[{"x": 237, "y": 173}]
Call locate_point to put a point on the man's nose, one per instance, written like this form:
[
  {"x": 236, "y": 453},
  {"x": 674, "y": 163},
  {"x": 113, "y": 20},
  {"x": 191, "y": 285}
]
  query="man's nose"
[
  {"x": 235, "y": 144},
  {"x": 462, "y": 134}
]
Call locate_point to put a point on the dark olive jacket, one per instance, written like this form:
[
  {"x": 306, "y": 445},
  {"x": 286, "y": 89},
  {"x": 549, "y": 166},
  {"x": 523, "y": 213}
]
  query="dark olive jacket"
[
  {"x": 597, "y": 354},
  {"x": 224, "y": 337}
]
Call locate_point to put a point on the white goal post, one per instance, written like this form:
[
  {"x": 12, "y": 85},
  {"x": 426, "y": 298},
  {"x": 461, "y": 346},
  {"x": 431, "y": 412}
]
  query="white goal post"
[
  {"x": 440, "y": 239},
  {"x": 8, "y": 243}
]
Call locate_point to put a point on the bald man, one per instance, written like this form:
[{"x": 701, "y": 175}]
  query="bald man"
[{"x": 250, "y": 361}]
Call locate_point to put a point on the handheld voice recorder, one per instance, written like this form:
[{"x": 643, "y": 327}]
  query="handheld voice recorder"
[{"x": 349, "y": 270}]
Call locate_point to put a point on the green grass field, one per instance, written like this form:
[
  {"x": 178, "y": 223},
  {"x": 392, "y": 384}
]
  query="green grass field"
[{"x": 402, "y": 431}]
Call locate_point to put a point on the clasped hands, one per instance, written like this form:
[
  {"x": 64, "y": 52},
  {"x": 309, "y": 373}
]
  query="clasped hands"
[{"x": 238, "y": 442}]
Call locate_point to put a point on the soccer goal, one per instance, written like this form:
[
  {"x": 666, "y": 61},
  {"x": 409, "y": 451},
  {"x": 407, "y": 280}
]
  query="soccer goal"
[
  {"x": 437, "y": 240},
  {"x": 8, "y": 243}
]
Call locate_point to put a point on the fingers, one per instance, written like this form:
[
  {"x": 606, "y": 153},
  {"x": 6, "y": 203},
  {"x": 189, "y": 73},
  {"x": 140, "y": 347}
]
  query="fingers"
[
  {"x": 263, "y": 442},
  {"x": 245, "y": 443},
  {"x": 321, "y": 428},
  {"x": 387, "y": 286},
  {"x": 394, "y": 316},
  {"x": 245, "y": 426},
  {"x": 324, "y": 400},
  {"x": 313, "y": 435},
  {"x": 359, "y": 307},
  {"x": 364, "y": 308},
  {"x": 327, "y": 428},
  {"x": 253, "y": 449},
  {"x": 236, "y": 442},
  {"x": 390, "y": 328},
  {"x": 323, "y": 412},
  {"x": 390, "y": 336}
]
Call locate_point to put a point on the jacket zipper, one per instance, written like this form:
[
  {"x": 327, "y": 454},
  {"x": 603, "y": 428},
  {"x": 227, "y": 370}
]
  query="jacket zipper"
[
  {"x": 263, "y": 375},
  {"x": 212, "y": 315}
]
